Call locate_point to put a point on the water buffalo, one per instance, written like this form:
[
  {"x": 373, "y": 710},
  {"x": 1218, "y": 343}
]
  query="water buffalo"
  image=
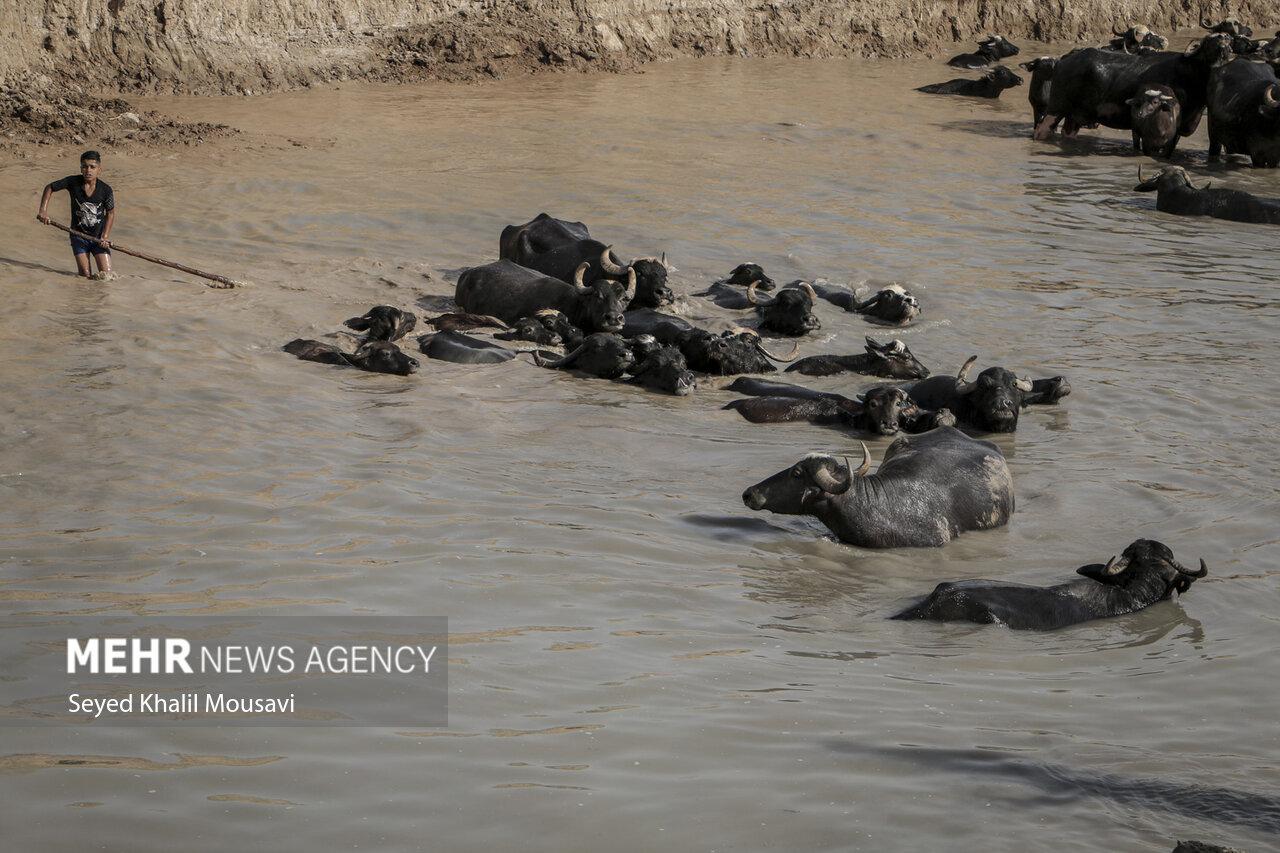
[
  {"x": 547, "y": 326},
  {"x": 790, "y": 312},
  {"x": 662, "y": 368},
  {"x": 600, "y": 354},
  {"x": 383, "y": 323},
  {"x": 1244, "y": 111},
  {"x": 508, "y": 291},
  {"x": 989, "y": 85},
  {"x": 540, "y": 234},
  {"x": 462, "y": 349},
  {"x": 1155, "y": 114},
  {"x": 728, "y": 353},
  {"x": 563, "y": 262},
  {"x": 1175, "y": 194},
  {"x": 373, "y": 356},
  {"x": 990, "y": 403},
  {"x": 929, "y": 488},
  {"x": 1041, "y": 70},
  {"x": 461, "y": 321},
  {"x": 891, "y": 304},
  {"x": 991, "y": 49},
  {"x": 882, "y": 410},
  {"x": 745, "y": 274},
  {"x": 1092, "y": 86},
  {"x": 1145, "y": 573},
  {"x": 1137, "y": 39},
  {"x": 891, "y": 361}
]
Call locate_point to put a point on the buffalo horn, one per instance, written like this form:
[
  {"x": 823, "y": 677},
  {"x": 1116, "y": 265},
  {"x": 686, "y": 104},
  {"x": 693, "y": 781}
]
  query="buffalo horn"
[
  {"x": 1116, "y": 565},
  {"x": 809, "y": 289},
  {"x": 791, "y": 356},
  {"x": 568, "y": 358},
  {"x": 866, "y": 461},
  {"x": 579, "y": 273},
  {"x": 753, "y": 299},
  {"x": 963, "y": 385},
  {"x": 1023, "y": 384},
  {"x": 1116, "y": 32},
  {"x": 829, "y": 484},
  {"x": 607, "y": 264},
  {"x": 1204, "y": 570},
  {"x": 1269, "y": 97},
  {"x": 631, "y": 285}
]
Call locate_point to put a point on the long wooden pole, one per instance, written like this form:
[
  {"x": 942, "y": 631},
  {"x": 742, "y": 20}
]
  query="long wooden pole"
[{"x": 222, "y": 281}]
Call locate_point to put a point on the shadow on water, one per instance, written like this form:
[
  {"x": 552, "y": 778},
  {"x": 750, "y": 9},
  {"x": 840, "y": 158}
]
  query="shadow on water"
[
  {"x": 1063, "y": 784},
  {"x": 990, "y": 128}
]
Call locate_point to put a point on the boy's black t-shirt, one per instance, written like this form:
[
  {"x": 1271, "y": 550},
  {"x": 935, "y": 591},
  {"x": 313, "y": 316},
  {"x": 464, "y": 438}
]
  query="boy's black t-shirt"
[{"x": 88, "y": 213}]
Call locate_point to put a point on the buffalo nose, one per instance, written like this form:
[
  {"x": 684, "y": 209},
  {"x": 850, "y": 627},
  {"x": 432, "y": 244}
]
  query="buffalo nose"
[{"x": 753, "y": 499}]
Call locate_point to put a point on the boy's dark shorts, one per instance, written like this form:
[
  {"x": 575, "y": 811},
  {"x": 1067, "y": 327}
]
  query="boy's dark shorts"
[{"x": 81, "y": 246}]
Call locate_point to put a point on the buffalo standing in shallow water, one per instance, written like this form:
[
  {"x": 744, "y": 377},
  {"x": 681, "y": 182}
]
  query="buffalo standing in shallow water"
[
  {"x": 929, "y": 488},
  {"x": 1145, "y": 573}
]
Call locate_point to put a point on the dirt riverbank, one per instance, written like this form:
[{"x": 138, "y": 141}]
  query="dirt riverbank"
[{"x": 68, "y": 69}]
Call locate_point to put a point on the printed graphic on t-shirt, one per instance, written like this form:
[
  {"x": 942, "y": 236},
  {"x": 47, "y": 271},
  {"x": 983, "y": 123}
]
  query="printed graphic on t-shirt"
[{"x": 90, "y": 214}]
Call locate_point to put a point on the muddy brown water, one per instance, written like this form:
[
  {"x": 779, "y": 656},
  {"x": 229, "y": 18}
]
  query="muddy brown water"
[{"x": 638, "y": 661}]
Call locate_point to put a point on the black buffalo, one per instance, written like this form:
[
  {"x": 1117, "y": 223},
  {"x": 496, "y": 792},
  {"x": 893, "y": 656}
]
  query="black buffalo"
[
  {"x": 789, "y": 312},
  {"x": 1041, "y": 70},
  {"x": 1176, "y": 194},
  {"x": 891, "y": 304},
  {"x": 564, "y": 261},
  {"x": 1244, "y": 111},
  {"x": 929, "y": 488},
  {"x": 508, "y": 291},
  {"x": 540, "y": 234},
  {"x": 726, "y": 354},
  {"x": 383, "y": 323},
  {"x": 1155, "y": 114},
  {"x": 1137, "y": 39},
  {"x": 373, "y": 356},
  {"x": 1092, "y": 86},
  {"x": 745, "y": 274},
  {"x": 662, "y": 368},
  {"x": 547, "y": 326},
  {"x": 600, "y": 354},
  {"x": 462, "y": 349},
  {"x": 1144, "y": 574},
  {"x": 989, "y": 85},
  {"x": 883, "y": 410},
  {"x": 990, "y": 403},
  {"x": 891, "y": 361},
  {"x": 991, "y": 49}
]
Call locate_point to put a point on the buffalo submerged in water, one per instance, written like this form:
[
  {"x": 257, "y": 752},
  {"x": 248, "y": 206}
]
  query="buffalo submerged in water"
[{"x": 929, "y": 488}]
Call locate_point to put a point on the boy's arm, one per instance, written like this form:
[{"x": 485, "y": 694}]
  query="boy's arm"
[
  {"x": 43, "y": 216},
  {"x": 106, "y": 229}
]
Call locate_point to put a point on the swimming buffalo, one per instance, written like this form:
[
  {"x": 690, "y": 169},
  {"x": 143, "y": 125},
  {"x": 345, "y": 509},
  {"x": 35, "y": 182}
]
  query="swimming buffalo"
[
  {"x": 373, "y": 356},
  {"x": 1144, "y": 574},
  {"x": 891, "y": 361},
  {"x": 540, "y": 234},
  {"x": 508, "y": 291},
  {"x": 1093, "y": 86},
  {"x": 728, "y": 353},
  {"x": 891, "y": 304},
  {"x": 462, "y": 349},
  {"x": 790, "y": 312},
  {"x": 600, "y": 354},
  {"x": 1244, "y": 111},
  {"x": 989, "y": 85},
  {"x": 929, "y": 488},
  {"x": 1155, "y": 114},
  {"x": 662, "y": 368},
  {"x": 992, "y": 402},
  {"x": 383, "y": 323},
  {"x": 1176, "y": 194},
  {"x": 991, "y": 49},
  {"x": 745, "y": 274},
  {"x": 882, "y": 410},
  {"x": 1137, "y": 39},
  {"x": 547, "y": 326}
]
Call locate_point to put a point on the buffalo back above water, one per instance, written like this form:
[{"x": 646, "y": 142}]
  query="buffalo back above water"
[{"x": 508, "y": 291}]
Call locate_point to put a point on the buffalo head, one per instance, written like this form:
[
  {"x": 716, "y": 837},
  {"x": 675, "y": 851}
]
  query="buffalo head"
[
  {"x": 797, "y": 490},
  {"x": 605, "y": 301},
  {"x": 790, "y": 312},
  {"x": 383, "y": 357},
  {"x": 383, "y": 323},
  {"x": 994, "y": 399},
  {"x": 1145, "y": 558}
]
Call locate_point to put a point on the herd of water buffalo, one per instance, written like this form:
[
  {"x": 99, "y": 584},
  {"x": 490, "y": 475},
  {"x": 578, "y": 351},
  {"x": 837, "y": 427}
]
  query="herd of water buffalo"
[
  {"x": 555, "y": 285},
  {"x": 1133, "y": 83}
]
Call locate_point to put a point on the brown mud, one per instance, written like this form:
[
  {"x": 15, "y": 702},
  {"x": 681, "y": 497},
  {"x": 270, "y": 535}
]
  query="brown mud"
[{"x": 67, "y": 69}]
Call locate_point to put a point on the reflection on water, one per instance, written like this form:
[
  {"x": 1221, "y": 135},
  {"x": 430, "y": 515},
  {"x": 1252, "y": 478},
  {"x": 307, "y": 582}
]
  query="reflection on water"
[{"x": 628, "y": 637}]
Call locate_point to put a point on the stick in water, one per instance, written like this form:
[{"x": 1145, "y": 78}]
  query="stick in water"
[{"x": 222, "y": 282}]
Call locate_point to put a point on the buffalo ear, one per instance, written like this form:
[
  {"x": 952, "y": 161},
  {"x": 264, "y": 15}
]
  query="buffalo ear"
[{"x": 1097, "y": 572}]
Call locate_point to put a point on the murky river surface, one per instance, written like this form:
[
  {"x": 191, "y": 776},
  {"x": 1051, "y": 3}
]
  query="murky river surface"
[{"x": 638, "y": 661}]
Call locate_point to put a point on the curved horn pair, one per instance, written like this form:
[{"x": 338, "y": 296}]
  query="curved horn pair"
[{"x": 831, "y": 485}]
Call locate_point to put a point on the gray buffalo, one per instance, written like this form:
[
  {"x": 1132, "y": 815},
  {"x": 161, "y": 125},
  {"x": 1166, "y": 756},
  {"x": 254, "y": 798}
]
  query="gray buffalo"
[
  {"x": 373, "y": 356},
  {"x": 929, "y": 488},
  {"x": 1144, "y": 574}
]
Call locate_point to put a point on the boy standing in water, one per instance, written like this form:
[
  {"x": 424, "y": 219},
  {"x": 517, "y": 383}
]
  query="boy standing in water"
[{"x": 93, "y": 210}]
